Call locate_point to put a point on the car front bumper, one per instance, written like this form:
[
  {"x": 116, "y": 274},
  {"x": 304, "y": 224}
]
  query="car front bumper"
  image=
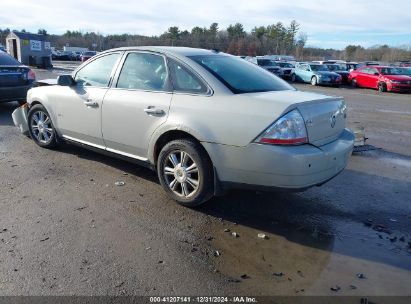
[
  {"x": 294, "y": 168},
  {"x": 399, "y": 87},
  {"x": 19, "y": 116},
  {"x": 18, "y": 93},
  {"x": 325, "y": 81}
]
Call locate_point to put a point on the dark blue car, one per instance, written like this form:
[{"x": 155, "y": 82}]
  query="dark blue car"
[{"x": 15, "y": 79}]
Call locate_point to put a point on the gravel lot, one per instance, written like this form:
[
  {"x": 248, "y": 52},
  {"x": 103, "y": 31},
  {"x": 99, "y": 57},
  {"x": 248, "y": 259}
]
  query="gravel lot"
[{"x": 66, "y": 229}]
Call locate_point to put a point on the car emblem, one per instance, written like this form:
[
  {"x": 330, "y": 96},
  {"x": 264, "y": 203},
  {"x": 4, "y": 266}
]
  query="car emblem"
[{"x": 333, "y": 120}]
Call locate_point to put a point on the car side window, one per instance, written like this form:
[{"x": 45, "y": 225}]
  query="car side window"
[
  {"x": 365, "y": 71},
  {"x": 143, "y": 71},
  {"x": 98, "y": 72},
  {"x": 184, "y": 80},
  {"x": 373, "y": 71}
]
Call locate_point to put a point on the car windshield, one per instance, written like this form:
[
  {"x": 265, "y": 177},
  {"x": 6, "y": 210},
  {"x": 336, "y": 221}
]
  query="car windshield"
[
  {"x": 318, "y": 67},
  {"x": 285, "y": 64},
  {"x": 336, "y": 67},
  {"x": 6, "y": 59},
  {"x": 390, "y": 71},
  {"x": 266, "y": 62},
  {"x": 405, "y": 71},
  {"x": 239, "y": 75}
]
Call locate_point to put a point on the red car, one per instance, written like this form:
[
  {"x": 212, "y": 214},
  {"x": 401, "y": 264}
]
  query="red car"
[
  {"x": 87, "y": 55},
  {"x": 383, "y": 78}
]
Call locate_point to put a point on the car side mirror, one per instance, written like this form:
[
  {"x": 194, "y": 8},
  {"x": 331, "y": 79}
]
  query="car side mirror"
[
  {"x": 65, "y": 80},
  {"x": 377, "y": 74}
]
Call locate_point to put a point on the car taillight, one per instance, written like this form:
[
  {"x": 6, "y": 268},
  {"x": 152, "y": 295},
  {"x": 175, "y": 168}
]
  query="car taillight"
[
  {"x": 289, "y": 129},
  {"x": 31, "y": 75}
]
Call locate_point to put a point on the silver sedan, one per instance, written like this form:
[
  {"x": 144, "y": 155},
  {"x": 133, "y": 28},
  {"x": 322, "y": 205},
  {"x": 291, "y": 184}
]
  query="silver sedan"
[{"x": 206, "y": 121}]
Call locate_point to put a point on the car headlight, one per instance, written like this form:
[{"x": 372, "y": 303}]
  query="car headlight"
[{"x": 289, "y": 129}]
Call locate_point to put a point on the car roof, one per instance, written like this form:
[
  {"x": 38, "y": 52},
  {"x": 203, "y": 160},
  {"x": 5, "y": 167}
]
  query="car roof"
[
  {"x": 7, "y": 60},
  {"x": 172, "y": 50}
]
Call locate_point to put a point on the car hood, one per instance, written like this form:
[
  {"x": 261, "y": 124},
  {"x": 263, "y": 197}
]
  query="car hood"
[
  {"x": 268, "y": 67},
  {"x": 342, "y": 72},
  {"x": 398, "y": 77},
  {"x": 326, "y": 73}
]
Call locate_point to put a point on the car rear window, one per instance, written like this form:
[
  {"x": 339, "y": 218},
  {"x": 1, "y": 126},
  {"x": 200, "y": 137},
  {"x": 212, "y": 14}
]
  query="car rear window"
[
  {"x": 6, "y": 59},
  {"x": 239, "y": 75}
]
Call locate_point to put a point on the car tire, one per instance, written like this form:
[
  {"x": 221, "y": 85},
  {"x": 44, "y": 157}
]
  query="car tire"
[
  {"x": 314, "y": 81},
  {"x": 185, "y": 172},
  {"x": 293, "y": 78},
  {"x": 354, "y": 83},
  {"x": 382, "y": 87},
  {"x": 41, "y": 127}
]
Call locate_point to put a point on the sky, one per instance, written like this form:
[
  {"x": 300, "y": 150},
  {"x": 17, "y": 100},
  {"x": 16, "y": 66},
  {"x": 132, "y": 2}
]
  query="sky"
[{"x": 328, "y": 24}]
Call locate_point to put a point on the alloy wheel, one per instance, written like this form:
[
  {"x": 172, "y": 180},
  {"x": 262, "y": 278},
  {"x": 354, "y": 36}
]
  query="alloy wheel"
[
  {"x": 181, "y": 173},
  {"x": 41, "y": 127}
]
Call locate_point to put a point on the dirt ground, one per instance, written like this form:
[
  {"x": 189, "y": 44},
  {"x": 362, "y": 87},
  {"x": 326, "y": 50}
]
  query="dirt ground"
[{"x": 66, "y": 229}]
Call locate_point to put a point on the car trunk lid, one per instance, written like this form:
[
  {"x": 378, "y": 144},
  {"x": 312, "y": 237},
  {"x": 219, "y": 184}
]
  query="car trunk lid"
[
  {"x": 324, "y": 119},
  {"x": 13, "y": 76},
  {"x": 317, "y": 110}
]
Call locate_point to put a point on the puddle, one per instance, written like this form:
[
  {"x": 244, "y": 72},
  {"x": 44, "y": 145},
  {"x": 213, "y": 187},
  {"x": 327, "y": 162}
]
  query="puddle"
[
  {"x": 310, "y": 263},
  {"x": 397, "y": 161},
  {"x": 260, "y": 259},
  {"x": 393, "y": 112}
]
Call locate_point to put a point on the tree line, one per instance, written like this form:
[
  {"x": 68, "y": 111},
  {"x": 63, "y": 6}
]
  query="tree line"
[{"x": 277, "y": 38}]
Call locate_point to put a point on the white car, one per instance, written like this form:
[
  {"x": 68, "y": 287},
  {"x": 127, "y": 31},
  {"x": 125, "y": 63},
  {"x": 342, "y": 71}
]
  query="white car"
[{"x": 205, "y": 121}]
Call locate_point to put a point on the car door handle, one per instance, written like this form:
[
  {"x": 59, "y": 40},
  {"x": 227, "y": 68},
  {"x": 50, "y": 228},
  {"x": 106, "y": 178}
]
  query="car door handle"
[
  {"x": 90, "y": 103},
  {"x": 150, "y": 110}
]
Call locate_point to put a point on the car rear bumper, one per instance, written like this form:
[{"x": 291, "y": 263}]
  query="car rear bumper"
[
  {"x": 293, "y": 168},
  {"x": 18, "y": 93}
]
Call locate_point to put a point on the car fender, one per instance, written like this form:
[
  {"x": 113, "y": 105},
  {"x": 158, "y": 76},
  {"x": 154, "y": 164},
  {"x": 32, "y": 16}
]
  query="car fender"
[
  {"x": 40, "y": 95},
  {"x": 169, "y": 125}
]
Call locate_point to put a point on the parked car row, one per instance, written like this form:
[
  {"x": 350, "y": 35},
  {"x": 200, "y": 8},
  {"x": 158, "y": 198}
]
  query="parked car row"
[
  {"x": 281, "y": 69},
  {"x": 382, "y": 78},
  {"x": 72, "y": 56}
]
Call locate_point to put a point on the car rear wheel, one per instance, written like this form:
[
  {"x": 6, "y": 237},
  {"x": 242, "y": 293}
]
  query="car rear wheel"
[
  {"x": 382, "y": 87},
  {"x": 314, "y": 81},
  {"x": 185, "y": 172},
  {"x": 41, "y": 128}
]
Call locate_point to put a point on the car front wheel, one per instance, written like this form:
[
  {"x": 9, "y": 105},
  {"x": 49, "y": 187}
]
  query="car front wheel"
[
  {"x": 185, "y": 172},
  {"x": 293, "y": 78},
  {"x": 382, "y": 87},
  {"x": 41, "y": 127},
  {"x": 314, "y": 81}
]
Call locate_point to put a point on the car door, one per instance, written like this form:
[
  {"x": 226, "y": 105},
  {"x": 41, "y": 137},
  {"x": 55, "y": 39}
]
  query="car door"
[
  {"x": 306, "y": 73},
  {"x": 300, "y": 70},
  {"x": 361, "y": 77},
  {"x": 79, "y": 106},
  {"x": 136, "y": 104},
  {"x": 373, "y": 78}
]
